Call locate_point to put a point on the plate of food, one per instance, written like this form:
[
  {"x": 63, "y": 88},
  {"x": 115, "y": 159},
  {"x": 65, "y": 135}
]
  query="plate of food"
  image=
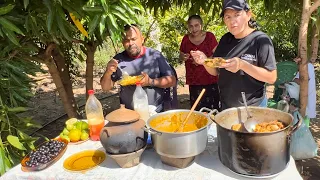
[
  {"x": 75, "y": 131},
  {"x": 44, "y": 155},
  {"x": 214, "y": 62},
  {"x": 130, "y": 80}
]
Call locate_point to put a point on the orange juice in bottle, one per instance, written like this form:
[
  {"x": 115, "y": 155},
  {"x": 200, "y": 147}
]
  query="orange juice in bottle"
[{"x": 94, "y": 115}]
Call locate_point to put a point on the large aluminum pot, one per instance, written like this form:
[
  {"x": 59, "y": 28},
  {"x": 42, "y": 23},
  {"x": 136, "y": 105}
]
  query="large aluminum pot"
[
  {"x": 179, "y": 145},
  {"x": 254, "y": 154}
]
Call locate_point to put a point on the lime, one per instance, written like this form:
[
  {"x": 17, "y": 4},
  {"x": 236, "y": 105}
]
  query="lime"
[
  {"x": 84, "y": 136},
  {"x": 78, "y": 125},
  {"x": 81, "y": 125},
  {"x": 74, "y": 135},
  {"x": 70, "y": 127},
  {"x": 85, "y": 131},
  {"x": 65, "y": 131},
  {"x": 85, "y": 125},
  {"x": 71, "y": 121},
  {"x": 65, "y": 137}
]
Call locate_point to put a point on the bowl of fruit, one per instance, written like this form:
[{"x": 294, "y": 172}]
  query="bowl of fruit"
[
  {"x": 75, "y": 131},
  {"x": 44, "y": 155}
]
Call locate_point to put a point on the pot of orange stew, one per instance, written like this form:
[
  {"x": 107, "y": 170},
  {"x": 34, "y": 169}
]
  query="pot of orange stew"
[
  {"x": 187, "y": 142},
  {"x": 262, "y": 153}
]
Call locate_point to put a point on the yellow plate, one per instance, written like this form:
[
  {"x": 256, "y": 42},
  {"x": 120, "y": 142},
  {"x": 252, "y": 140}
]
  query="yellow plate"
[{"x": 84, "y": 160}]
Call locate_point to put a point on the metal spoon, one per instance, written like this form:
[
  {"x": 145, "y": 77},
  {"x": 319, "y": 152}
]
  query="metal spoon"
[{"x": 250, "y": 123}]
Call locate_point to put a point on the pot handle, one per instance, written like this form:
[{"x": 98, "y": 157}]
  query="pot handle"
[
  {"x": 106, "y": 131},
  {"x": 211, "y": 114},
  {"x": 148, "y": 130},
  {"x": 298, "y": 124}
]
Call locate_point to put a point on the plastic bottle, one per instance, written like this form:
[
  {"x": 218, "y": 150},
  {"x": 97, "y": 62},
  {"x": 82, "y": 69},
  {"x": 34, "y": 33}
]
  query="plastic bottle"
[
  {"x": 140, "y": 102},
  {"x": 94, "y": 115}
]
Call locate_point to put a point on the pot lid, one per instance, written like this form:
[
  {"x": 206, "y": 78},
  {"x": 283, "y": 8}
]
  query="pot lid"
[{"x": 123, "y": 115}]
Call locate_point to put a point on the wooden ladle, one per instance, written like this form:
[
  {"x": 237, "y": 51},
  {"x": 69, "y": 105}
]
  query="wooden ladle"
[{"x": 191, "y": 111}]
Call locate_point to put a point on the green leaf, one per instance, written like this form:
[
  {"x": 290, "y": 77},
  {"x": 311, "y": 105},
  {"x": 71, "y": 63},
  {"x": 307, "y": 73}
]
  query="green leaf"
[
  {"x": 2, "y": 161},
  {"x": 11, "y": 36},
  {"x": 93, "y": 24},
  {"x": 121, "y": 10},
  {"x": 92, "y": 9},
  {"x": 113, "y": 21},
  {"x": 8, "y": 25},
  {"x": 6, "y": 9},
  {"x": 14, "y": 141},
  {"x": 25, "y": 3},
  {"x": 127, "y": 6},
  {"x": 17, "y": 109},
  {"x": 1, "y": 33},
  {"x": 105, "y": 6},
  {"x": 102, "y": 25},
  {"x": 120, "y": 16},
  {"x": 50, "y": 18},
  {"x": 62, "y": 28}
]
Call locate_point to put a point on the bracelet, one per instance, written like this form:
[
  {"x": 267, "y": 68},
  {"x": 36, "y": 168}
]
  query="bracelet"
[{"x": 152, "y": 83}]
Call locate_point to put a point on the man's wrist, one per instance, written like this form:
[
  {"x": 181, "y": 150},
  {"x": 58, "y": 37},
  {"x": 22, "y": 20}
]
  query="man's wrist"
[{"x": 151, "y": 82}]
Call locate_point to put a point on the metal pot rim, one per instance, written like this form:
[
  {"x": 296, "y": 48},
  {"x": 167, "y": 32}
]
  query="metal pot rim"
[
  {"x": 209, "y": 122},
  {"x": 254, "y": 133}
]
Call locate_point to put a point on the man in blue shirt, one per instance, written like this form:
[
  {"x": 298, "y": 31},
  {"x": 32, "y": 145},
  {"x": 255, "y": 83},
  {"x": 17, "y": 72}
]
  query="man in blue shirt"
[{"x": 136, "y": 60}]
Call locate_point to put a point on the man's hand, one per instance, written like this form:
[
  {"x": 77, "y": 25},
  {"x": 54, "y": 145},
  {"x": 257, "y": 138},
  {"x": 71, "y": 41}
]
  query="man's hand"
[
  {"x": 145, "y": 81},
  {"x": 112, "y": 66},
  {"x": 232, "y": 65}
]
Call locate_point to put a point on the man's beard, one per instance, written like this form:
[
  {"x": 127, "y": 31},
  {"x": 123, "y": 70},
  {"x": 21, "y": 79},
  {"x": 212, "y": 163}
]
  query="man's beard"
[{"x": 133, "y": 50}]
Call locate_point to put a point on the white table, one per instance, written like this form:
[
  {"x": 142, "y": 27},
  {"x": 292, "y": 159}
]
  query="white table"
[{"x": 205, "y": 166}]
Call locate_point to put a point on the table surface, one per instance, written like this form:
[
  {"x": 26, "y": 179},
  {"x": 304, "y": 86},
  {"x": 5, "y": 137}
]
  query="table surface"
[{"x": 205, "y": 166}]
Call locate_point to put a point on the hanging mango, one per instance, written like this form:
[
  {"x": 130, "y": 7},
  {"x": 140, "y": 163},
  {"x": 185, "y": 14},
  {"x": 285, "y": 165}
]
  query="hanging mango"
[{"x": 79, "y": 25}]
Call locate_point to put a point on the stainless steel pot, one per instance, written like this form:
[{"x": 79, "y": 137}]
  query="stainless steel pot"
[
  {"x": 254, "y": 154},
  {"x": 179, "y": 145}
]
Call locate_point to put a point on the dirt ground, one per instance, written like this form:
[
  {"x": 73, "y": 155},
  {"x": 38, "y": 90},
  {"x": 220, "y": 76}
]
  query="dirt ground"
[{"x": 46, "y": 109}]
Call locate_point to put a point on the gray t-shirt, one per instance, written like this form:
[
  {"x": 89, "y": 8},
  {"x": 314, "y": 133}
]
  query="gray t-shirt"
[{"x": 154, "y": 64}]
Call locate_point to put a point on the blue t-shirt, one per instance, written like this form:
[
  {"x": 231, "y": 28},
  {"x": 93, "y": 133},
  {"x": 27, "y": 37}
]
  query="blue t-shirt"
[{"x": 154, "y": 64}]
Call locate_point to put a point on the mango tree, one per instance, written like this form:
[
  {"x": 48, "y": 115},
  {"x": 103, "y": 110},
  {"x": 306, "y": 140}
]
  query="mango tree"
[{"x": 307, "y": 10}]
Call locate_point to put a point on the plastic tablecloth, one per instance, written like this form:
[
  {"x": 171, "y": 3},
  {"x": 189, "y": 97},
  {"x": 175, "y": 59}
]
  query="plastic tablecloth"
[{"x": 205, "y": 166}]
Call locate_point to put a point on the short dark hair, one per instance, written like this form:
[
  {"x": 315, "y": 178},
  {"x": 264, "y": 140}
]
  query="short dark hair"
[
  {"x": 196, "y": 17},
  {"x": 127, "y": 27}
]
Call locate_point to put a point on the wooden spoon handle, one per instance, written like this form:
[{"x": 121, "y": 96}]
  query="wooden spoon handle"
[{"x": 192, "y": 109}]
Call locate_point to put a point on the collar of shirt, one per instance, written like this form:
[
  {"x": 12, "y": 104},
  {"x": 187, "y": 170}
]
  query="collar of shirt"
[{"x": 143, "y": 52}]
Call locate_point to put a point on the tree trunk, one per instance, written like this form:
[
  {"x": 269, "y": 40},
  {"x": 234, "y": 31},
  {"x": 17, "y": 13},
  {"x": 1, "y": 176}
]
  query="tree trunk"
[
  {"x": 60, "y": 88},
  {"x": 65, "y": 78},
  {"x": 307, "y": 10},
  {"x": 91, "y": 49},
  {"x": 314, "y": 44}
]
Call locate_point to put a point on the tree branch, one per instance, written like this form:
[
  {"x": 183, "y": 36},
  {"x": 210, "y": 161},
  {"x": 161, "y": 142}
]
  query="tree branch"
[
  {"x": 49, "y": 49},
  {"x": 13, "y": 54},
  {"x": 149, "y": 30},
  {"x": 78, "y": 41}
]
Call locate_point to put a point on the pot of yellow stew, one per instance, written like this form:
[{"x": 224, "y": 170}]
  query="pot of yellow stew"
[{"x": 188, "y": 142}]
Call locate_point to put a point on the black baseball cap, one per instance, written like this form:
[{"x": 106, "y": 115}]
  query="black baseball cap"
[{"x": 237, "y": 5}]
